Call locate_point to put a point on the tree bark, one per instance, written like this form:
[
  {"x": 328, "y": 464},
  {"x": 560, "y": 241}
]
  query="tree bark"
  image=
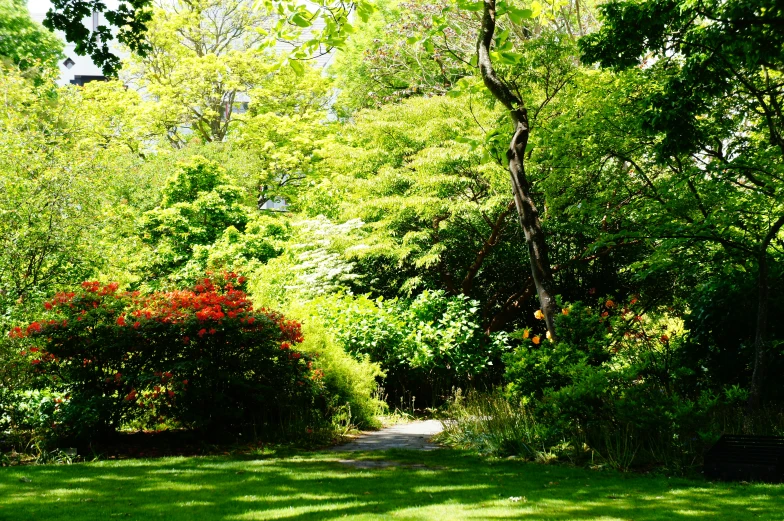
[
  {"x": 760, "y": 351},
  {"x": 529, "y": 215}
]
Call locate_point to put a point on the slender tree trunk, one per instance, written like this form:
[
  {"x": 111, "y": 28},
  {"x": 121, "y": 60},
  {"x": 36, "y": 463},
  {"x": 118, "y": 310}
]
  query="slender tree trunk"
[
  {"x": 760, "y": 351},
  {"x": 529, "y": 220},
  {"x": 529, "y": 216}
]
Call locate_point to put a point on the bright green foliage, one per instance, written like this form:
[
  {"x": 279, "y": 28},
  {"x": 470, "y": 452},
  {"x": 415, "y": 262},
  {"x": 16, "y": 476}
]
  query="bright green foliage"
[
  {"x": 426, "y": 345},
  {"x": 709, "y": 50},
  {"x": 203, "y": 55},
  {"x": 48, "y": 206},
  {"x": 389, "y": 59},
  {"x": 280, "y": 134},
  {"x": 25, "y": 43},
  {"x": 350, "y": 382},
  {"x": 197, "y": 207},
  {"x": 244, "y": 251},
  {"x": 435, "y": 209}
]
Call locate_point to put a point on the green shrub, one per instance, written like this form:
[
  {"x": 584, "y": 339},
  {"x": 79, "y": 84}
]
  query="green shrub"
[
  {"x": 349, "y": 382},
  {"x": 613, "y": 382},
  {"x": 427, "y": 346},
  {"x": 200, "y": 357}
]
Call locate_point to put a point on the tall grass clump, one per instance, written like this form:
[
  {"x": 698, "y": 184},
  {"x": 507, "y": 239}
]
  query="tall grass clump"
[{"x": 490, "y": 424}]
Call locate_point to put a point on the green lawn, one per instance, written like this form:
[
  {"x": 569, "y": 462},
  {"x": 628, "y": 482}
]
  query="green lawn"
[{"x": 450, "y": 485}]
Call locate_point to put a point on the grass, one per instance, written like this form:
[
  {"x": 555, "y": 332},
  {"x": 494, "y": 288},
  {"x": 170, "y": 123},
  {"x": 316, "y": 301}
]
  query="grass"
[{"x": 442, "y": 485}]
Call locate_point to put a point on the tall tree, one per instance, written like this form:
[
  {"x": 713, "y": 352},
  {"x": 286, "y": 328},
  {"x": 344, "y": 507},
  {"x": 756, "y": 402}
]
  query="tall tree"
[
  {"x": 724, "y": 68},
  {"x": 202, "y": 55},
  {"x": 515, "y": 102}
]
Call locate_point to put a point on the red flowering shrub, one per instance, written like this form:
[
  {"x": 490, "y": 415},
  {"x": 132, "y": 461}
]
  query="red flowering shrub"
[{"x": 202, "y": 357}]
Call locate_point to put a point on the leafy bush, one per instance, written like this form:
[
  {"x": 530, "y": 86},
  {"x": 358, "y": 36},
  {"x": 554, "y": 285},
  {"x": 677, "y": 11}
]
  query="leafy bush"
[
  {"x": 201, "y": 357},
  {"x": 349, "y": 382},
  {"x": 613, "y": 381},
  {"x": 426, "y": 346}
]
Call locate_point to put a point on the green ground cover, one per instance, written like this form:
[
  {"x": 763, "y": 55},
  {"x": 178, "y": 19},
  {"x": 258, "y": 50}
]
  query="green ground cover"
[{"x": 443, "y": 485}]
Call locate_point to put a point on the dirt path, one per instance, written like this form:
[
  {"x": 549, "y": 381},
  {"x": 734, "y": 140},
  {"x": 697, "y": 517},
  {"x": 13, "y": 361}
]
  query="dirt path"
[{"x": 414, "y": 436}]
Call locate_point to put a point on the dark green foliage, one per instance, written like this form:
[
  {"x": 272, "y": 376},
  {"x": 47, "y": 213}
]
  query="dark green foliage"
[
  {"x": 706, "y": 48},
  {"x": 720, "y": 345},
  {"x": 620, "y": 381},
  {"x": 129, "y": 21}
]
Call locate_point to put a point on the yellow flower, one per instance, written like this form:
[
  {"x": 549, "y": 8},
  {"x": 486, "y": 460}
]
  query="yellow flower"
[
  {"x": 549, "y": 336},
  {"x": 536, "y": 340},
  {"x": 538, "y": 314}
]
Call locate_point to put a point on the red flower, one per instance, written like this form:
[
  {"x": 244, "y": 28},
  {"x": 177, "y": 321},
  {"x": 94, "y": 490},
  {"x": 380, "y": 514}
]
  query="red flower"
[
  {"x": 35, "y": 327},
  {"x": 136, "y": 324},
  {"x": 251, "y": 320},
  {"x": 34, "y": 349},
  {"x": 212, "y": 331},
  {"x": 35, "y": 362},
  {"x": 202, "y": 332},
  {"x": 121, "y": 320},
  {"x": 48, "y": 305}
]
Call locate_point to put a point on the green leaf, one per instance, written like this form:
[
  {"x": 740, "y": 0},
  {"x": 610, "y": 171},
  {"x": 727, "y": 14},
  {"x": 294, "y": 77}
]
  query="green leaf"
[
  {"x": 297, "y": 66},
  {"x": 469, "y": 5},
  {"x": 364, "y": 10},
  {"x": 518, "y": 15},
  {"x": 300, "y": 20}
]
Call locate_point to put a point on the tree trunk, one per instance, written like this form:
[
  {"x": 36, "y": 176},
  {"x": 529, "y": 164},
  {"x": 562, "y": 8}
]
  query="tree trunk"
[
  {"x": 529, "y": 216},
  {"x": 760, "y": 351},
  {"x": 529, "y": 220}
]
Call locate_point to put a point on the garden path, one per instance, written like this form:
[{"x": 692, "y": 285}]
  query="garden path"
[{"x": 413, "y": 436}]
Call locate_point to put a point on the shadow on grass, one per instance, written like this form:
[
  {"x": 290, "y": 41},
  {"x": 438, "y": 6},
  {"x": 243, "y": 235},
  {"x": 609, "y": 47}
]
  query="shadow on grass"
[{"x": 441, "y": 485}]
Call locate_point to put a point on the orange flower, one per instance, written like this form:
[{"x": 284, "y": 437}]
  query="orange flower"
[
  {"x": 609, "y": 304},
  {"x": 538, "y": 314},
  {"x": 564, "y": 311},
  {"x": 526, "y": 333},
  {"x": 536, "y": 340}
]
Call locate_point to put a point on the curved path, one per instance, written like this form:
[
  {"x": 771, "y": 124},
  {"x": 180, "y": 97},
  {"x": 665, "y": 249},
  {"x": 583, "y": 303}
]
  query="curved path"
[{"x": 413, "y": 436}]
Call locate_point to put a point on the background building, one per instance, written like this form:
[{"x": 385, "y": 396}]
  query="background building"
[{"x": 74, "y": 69}]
